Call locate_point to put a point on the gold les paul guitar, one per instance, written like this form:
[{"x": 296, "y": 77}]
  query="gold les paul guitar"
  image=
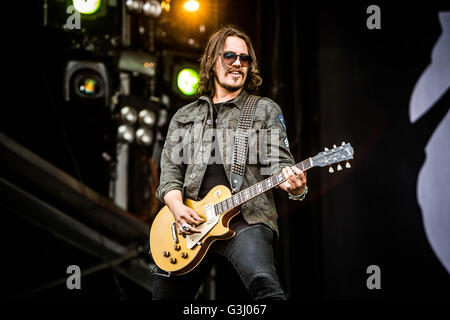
[{"x": 179, "y": 255}]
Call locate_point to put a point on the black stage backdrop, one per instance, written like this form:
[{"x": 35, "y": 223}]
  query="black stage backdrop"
[{"x": 336, "y": 80}]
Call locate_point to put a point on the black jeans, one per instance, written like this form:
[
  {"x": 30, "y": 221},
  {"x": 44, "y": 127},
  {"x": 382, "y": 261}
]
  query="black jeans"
[{"x": 249, "y": 251}]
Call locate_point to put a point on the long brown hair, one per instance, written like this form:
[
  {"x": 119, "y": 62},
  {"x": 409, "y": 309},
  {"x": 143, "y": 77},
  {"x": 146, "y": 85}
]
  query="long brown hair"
[{"x": 212, "y": 51}]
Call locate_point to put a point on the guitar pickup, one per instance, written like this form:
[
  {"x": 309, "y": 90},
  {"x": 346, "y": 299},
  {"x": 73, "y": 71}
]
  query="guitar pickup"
[{"x": 210, "y": 213}]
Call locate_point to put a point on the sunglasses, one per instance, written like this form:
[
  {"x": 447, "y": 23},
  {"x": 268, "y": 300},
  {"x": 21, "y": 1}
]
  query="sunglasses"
[{"x": 230, "y": 57}]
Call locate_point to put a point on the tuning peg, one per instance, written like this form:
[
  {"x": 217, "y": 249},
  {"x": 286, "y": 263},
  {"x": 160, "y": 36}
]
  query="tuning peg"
[
  {"x": 339, "y": 167},
  {"x": 331, "y": 170},
  {"x": 347, "y": 165},
  {"x": 343, "y": 143},
  {"x": 326, "y": 149}
]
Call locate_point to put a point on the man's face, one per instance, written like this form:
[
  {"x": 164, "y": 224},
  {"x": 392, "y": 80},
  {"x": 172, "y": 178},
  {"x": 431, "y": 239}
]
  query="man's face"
[{"x": 233, "y": 79}]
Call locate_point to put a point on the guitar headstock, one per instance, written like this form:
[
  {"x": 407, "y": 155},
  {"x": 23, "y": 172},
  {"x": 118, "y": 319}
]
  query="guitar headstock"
[{"x": 337, "y": 154}]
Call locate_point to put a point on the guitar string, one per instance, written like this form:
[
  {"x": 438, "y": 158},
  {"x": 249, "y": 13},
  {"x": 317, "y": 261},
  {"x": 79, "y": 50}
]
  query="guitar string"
[{"x": 219, "y": 207}]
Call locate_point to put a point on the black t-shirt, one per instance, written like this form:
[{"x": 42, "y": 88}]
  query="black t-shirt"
[{"x": 215, "y": 173}]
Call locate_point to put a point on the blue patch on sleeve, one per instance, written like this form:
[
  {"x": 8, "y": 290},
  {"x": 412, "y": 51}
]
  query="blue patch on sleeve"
[{"x": 280, "y": 117}]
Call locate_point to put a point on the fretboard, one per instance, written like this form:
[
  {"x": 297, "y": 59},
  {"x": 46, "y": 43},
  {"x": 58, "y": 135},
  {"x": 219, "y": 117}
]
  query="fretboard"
[{"x": 259, "y": 188}]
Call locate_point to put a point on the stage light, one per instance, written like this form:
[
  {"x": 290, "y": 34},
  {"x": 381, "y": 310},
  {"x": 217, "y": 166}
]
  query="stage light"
[
  {"x": 152, "y": 8},
  {"x": 133, "y": 5},
  {"x": 138, "y": 119},
  {"x": 187, "y": 81},
  {"x": 128, "y": 115},
  {"x": 86, "y": 80},
  {"x": 191, "y": 6},
  {"x": 144, "y": 137},
  {"x": 125, "y": 133},
  {"x": 165, "y": 5},
  {"x": 87, "y": 6},
  {"x": 147, "y": 118},
  {"x": 88, "y": 86}
]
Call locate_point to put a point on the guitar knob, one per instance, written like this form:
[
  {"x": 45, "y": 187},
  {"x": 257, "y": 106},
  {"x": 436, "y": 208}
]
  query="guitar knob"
[
  {"x": 339, "y": 167},
  {"x": 173, "y": 260},
  {"x": 331, "y": 170},
  {"x": 176, "y": 247},
  {"x": 166, "y": 254},
  {"x": 184, "y": 255},
  {"x": 347, "y": 165}
]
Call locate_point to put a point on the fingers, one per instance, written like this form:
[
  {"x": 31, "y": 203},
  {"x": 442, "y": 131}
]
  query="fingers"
[
  {"x": 295, "y": 178},
  {"x": 189, "y": 229},
  {"x": 189, "y": 219},
  {"x": 285, "y": 185},
  {"x": 293, "y": 175},
  {"x": 299, "y": 174},
  {"x": 194, "y": 216},
  {"x": 192, "y": 219}
]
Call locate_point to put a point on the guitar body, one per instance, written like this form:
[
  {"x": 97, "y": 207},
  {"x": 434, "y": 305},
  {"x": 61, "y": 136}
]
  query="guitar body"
[{"x": 179, "y": 255}]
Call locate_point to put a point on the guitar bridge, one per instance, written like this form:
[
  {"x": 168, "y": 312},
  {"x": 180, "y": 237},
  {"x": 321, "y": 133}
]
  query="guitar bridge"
[{"x": 174, "y": 232}]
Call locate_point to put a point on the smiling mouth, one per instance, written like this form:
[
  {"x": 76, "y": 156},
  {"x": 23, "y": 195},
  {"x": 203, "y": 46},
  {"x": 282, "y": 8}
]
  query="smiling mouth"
[{"x": 236, "y": 73}]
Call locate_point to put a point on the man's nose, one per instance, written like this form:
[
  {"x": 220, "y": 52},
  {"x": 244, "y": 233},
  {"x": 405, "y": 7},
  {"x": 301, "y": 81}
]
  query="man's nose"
[{"x": 237, "y": 62}]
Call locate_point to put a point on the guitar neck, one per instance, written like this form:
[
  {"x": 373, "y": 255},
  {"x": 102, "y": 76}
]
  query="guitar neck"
[{"x": 259, "y": 188}]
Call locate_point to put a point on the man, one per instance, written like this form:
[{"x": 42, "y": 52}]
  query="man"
[{"x": 228, "y": 72}]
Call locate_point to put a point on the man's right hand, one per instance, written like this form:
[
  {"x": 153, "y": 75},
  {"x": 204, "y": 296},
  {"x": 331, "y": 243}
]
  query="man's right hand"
[{"x": 183, "y": 215}]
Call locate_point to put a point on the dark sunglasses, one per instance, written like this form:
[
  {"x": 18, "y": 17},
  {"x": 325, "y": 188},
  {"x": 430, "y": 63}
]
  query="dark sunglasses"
[{"x": 230, "y": 57}]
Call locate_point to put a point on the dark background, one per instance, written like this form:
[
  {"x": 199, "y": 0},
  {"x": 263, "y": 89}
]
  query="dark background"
[{"x": 336, "y": 81}]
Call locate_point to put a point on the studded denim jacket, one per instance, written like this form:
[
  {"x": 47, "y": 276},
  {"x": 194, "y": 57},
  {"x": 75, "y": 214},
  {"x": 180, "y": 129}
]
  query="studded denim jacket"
[{"x": 187, "y": 150}]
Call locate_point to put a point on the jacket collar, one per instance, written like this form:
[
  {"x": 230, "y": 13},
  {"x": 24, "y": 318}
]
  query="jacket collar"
[{"x": 238, "y": 101}]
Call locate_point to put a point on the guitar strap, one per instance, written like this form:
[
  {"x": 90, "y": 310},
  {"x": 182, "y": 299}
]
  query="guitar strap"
[{"x": 241, "y": 139}]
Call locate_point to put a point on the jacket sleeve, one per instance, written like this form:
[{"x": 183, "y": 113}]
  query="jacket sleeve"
[
  {"x": 279, "y": 155},
  {"x": 172, "y": 169}
]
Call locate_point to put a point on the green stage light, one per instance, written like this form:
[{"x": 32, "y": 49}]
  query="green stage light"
[
  {"x": 187, "y": 81},
  {"x": 87, "y": 6}
]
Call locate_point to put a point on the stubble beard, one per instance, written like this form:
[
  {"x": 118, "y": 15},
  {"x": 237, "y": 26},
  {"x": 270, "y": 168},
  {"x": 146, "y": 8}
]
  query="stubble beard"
[{"x": 229, "y": 87}]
